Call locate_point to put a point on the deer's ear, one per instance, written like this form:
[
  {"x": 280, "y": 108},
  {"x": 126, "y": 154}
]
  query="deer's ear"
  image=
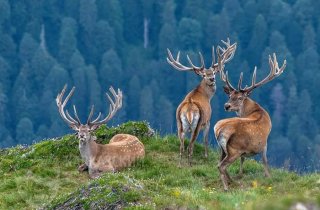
[
  {"x": 227, "y": 90},
  {"x": 246, "y": 94},
  {"x": 200, "y": 73},
  {"x": 74, "y": 127}
]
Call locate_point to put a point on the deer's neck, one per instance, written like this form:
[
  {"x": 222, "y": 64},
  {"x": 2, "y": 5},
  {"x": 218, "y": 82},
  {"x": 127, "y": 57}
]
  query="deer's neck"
[
  {"x": 88, "y": 149},
  {"x": 206, "y": 90},
  {"x": 249, "y": 107}
]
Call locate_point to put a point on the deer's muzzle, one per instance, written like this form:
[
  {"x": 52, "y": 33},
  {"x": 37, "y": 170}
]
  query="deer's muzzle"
[{"x": 227, "y": 106}]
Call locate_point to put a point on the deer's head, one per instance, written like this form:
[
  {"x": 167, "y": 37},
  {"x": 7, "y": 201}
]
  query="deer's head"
[
  {"x": 208, "y": 74},
  {"x": 84, "y": 130},
  {"x": 238, "y": 97}
]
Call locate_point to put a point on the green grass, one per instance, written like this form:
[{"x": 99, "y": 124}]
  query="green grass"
[{"x": 45, "y": 175}]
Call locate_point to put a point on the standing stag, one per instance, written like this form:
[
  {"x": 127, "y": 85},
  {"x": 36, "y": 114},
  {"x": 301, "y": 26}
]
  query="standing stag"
[
  {"x": 247, "y": 134},
  {"x": 122, "y": 150},
  {"x": 194, "y": 112}
]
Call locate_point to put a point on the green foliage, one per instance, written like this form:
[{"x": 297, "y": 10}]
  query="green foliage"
[
  {"x": 25, "y": 130},
  {"x": 190, "y": 33},
  {"x": 139, "y": 129},
  {"x": 93, "y": 44},
  {"x": 44, "y": 175}
]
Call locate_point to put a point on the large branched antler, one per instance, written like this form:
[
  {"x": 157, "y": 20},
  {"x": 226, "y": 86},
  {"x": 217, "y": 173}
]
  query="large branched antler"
[
  {"x": 175, "y": 63},
  {"x": 224, "y": 77},
  {"x": 275, "y": 71},
  {"x": 74, "y": 123},
  {"x": 115, "y": 105},
  {"x": 224, "y": 55}
]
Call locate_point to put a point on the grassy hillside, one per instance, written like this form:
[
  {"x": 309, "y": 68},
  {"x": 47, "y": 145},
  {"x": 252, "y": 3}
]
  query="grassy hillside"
[{"x": 44, "y": 175}]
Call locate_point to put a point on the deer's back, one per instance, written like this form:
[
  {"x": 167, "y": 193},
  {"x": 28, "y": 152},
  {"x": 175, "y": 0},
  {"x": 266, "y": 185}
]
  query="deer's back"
[
  {"x": 121, "y": 152},
  {"x": 196, "y": 102},
  {"x": 126, "y": 144},
  {"x": 245, "y": 134}
]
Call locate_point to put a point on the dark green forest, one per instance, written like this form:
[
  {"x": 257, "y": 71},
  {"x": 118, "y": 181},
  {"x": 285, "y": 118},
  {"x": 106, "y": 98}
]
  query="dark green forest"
[{"x": 93, "y": 44}]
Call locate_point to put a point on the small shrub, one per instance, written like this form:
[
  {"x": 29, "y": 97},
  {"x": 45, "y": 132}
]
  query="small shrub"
[{"x": 139, "y": 129}]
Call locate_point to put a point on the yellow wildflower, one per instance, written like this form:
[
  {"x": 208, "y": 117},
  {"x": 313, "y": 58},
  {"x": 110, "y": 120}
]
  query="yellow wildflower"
[
  {"x": 254, "y": 184},
  {"x": 176, "y": 193}
]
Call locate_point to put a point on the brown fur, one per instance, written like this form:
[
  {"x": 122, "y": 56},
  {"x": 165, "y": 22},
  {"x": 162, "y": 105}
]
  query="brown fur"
[
  {"x": 121, "y": 152},
  {"x": 247, "y": 134},
  {"x": 196, "y": 103},
  {"x": 243, "y": 136},
  {"x": 194, "y": 112}
]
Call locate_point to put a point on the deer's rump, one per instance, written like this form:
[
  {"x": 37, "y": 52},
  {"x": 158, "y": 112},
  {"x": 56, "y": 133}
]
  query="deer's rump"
[
  {"x": 127, "y": 145},
  {"x": 244, "y": 134},
  {"x": 124, "y": 139}
]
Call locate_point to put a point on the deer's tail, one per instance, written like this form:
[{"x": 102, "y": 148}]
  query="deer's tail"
[{"x": 192, "y": 108}]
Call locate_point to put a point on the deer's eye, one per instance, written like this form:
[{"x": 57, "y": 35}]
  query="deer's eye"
[{"x": 240, "y": 98}]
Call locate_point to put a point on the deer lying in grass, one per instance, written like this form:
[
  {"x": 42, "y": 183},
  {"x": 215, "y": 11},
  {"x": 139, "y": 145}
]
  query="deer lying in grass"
[
  {"x": 247, "y": 134},
  {"x": 194, "y": 112},
  {"x": 122, "y": 150}
]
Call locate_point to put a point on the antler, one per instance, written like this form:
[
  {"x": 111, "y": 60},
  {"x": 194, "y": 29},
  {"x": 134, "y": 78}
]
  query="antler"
[
  {"x": 224, "y": 77},
  {"x": 224, "y": 55},
  {"x": 175, "y": 63},
  {"x": 113, "y": 108},
  {"x": 275, "y": 71},
  {"x": 61, "y": 104}
]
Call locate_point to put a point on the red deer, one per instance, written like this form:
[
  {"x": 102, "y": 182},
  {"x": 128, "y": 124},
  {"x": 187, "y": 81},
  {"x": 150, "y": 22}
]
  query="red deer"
[
  {"x": 122, "y": 150},
  {"x": 247, "y": 134},
  {"x": 194, "y": 112}
]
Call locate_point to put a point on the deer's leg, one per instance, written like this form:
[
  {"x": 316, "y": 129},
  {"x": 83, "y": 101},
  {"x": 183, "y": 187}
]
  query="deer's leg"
[
  {"x": 205, "y": 140},
  {"x": 222, "y": 142},
  {"x": 94, "y": 173},
  {"x": 265, "y": 162},
  {"x": 229, "y": 159},
  {"x": 83, "y": 167},
  {"x": 181, "y": 137},
  {"x": 194, "y": 136},
  {"x": 182, "y": 127},
  {"x": 241, "y": 167},
  {"x": 223, "y": 155}
]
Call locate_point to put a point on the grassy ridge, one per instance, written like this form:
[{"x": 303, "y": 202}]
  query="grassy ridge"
[{"x": 45, "y": 175}]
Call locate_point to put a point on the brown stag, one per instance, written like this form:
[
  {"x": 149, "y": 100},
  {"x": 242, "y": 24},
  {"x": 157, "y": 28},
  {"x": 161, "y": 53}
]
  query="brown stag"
[
  {"x": 122, "y": 150},
  {"x": 194, "y": 112},
  {"x": 247, "y": 134}
]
